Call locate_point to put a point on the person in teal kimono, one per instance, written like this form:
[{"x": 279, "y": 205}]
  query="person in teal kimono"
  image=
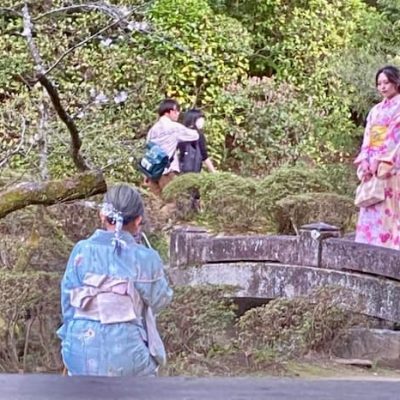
[{"x": 110, "y": 293}]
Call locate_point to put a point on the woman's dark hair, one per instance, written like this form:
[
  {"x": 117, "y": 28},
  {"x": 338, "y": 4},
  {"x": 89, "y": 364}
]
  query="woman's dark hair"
[
  {"x": 167, "y": 106},
  {"x": 191, "y": 116},
  {"x": 392, "y": 73}
]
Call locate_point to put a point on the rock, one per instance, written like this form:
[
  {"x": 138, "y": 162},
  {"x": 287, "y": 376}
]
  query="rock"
[
  {"x": 354, "y": 362},
  {"x": 373, "y": 344}
]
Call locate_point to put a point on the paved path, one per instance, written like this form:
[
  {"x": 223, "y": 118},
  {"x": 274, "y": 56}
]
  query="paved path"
[{"x": 54, "y": 387}]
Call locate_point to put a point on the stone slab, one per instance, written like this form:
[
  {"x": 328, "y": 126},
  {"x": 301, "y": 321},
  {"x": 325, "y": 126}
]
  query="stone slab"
[
  {"x": 371, "y": 344},
  {"x": 350, "y": 256},
  {"x": 365, "y": 294}
]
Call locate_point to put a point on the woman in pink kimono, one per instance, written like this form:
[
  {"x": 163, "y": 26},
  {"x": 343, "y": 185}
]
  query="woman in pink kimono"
[{"x": 380, "y": 154}]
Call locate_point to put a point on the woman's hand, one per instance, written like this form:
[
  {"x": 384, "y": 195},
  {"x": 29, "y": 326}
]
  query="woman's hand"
[
  {"x": 373, "y": 167},
  {"x": 366, "y": 173}
]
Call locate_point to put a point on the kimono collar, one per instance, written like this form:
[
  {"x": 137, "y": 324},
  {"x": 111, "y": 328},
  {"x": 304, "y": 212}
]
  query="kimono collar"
[
  {"x": 104, "y": 234},
  {"x": 393, "y": 101}
]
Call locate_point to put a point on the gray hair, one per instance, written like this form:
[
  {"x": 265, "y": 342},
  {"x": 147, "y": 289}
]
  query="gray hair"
[
  {"x": 125, "y": 200},
  {"x": 122, "y": 204}
]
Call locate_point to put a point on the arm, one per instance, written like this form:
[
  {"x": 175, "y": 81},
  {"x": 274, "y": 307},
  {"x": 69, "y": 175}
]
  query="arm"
[
  {"x": 204, "y": 153},
  {"x": 152, "y": 283},
  {"x": 184, "y": 134},
  {"x": 210, "y": 166},
  {"x": 70, "y": 281},
  {"x": 362, "y": 161}
]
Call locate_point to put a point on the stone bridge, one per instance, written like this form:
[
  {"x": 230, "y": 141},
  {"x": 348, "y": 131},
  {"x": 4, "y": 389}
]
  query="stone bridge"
[{"x": 267, "y": 267}]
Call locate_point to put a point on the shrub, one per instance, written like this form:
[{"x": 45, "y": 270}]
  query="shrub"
[
  {"x": 272, "y": 123},
  {"x": 232, "y": 203},
  {"x": 29, "y": 318},
  {"x": 297, "y": 210},
  {"x": 196, "y": 325},
  {"x": 293, "y": 327}
]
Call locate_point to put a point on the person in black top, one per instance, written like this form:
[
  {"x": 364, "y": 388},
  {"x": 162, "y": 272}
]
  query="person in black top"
[{"x": 192, "y": 155}]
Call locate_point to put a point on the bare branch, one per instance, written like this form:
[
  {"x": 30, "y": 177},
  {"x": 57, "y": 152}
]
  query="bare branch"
[
  {"x": 31, "y": 44},
  {"x": 76, "y": 142},
  {"x": 42, "y": 132}
]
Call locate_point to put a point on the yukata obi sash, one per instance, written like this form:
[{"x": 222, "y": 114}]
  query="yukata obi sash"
[{"x": 112, "y": 300}]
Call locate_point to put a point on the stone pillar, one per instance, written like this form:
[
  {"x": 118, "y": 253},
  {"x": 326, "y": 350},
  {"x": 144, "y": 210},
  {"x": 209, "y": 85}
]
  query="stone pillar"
[
  {"x": 309, "y": 245},
  {"x": 182, "y": 245}
]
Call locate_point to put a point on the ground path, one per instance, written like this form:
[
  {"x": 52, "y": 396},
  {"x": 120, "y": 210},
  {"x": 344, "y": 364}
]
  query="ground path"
[{"x": 54, "y": 387}]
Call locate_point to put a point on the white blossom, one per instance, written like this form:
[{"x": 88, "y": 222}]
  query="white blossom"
[
  {"x": 121, "y": 97},
  {"x": 106, "y": 42}
]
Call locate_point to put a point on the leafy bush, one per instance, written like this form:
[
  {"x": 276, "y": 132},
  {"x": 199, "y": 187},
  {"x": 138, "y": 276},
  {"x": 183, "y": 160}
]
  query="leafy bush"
[
  {"x": 232, "y": 203},
  {"x": 270, "y": 124},
  {"x": 207, "y": 53},
  {"x": 195, "y": 326},
  {"x": 342, "y": 177},
  {"x": 293, "y": 327},
  {"x": 295, "y": 37},
  {"x": 297, "y": 210},
  {"x": 29, "y": 317}
]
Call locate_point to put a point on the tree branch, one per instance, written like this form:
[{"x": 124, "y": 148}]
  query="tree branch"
[
  {"x": 31, "y": 44},
  {"x": 42, "y": 133},
  {"x": 76, "y": 142},
  {"x": 51, "y": 192}
]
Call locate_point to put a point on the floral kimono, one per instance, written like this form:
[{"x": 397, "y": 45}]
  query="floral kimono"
[
  {"x": 108, "y": 300},
  {"x": 380, "y": 224}
]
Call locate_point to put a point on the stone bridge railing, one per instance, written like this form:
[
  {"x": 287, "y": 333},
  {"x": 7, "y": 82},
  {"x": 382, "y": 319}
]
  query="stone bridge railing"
[{"x": 267, "y": 267}]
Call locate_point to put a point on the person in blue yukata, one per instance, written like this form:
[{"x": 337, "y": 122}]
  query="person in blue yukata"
[{"x": 110, "y": 293}]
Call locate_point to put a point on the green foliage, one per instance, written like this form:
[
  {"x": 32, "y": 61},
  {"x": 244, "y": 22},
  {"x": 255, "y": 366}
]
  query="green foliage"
[
  {"x": 293, "y": 327},
  {"x": 214, "y": 49},
  {"x": 296, "y": 37},
  {"x": 206, "y": 51},
  {"x": 391, "y": 9},
  {"x": 196, "y": 324},
  {"x": 233, "y": 203},
  {"x": 342, "y": 177},
  {"x": 273, "y": 124},
  {"x": 298, "y": 210},
  {"x": 29, "y": 317},
  {"x": 191, "y": 54},
  {"x": 329, "y": 50}
]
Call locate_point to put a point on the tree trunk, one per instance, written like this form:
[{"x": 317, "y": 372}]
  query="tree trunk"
[{"x": 51, "y": 192}]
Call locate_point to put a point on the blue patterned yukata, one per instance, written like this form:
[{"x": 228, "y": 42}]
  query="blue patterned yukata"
[{"x": 108, "y": 299}]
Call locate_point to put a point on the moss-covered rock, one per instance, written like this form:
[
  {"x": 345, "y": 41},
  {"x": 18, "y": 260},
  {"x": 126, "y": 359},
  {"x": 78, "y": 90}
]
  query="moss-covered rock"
[{"x": 294, "y": 211}]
